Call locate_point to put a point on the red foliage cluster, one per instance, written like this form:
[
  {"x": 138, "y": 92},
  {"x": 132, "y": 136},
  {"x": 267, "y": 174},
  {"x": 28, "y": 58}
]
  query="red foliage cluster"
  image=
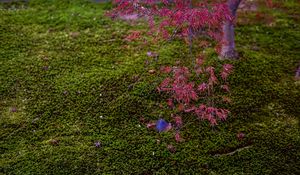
[
  {"x": 183, "y": 18},
  {"x": 134, "y": 35},
  {"x": 188, "y": 96}
]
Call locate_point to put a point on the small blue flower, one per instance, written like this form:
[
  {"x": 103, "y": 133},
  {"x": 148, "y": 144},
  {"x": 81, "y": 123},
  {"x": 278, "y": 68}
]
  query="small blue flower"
[{"x": 161, "y": 125}]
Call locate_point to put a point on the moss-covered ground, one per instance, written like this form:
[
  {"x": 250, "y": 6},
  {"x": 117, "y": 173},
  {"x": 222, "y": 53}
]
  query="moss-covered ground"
[{"x": 68, "y": 79}]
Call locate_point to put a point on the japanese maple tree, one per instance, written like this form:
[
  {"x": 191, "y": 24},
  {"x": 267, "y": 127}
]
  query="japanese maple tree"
[{"x": 189, "y": 19}]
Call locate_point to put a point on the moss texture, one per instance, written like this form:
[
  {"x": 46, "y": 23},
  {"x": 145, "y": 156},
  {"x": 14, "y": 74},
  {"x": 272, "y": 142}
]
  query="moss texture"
[{"x": 68, "y": 79}]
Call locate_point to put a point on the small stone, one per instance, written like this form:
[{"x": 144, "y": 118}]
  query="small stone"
[
  {"x": 255, "y": 48},
  {"x": 35, "y": 120},
  {"x": 74, "y": 34},
  {"x": 53, "y": 142},
  {"x": 51, "y": 30},
  {"x": 65, "y": 93},
  {"x": 45, "y": 68},
  {"x": 152, "y": 71},
  {"x": 45, "y": 58},
  {"x": 130, "y": 87}
]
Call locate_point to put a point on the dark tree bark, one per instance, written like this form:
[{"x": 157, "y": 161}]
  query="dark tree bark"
[{"x": 228, "y": 45}]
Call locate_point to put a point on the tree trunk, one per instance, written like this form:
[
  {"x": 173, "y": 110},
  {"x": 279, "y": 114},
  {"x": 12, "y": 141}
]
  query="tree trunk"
[
  {"x": 228, "y": 45},
  {"x": 297, "y": 76}
]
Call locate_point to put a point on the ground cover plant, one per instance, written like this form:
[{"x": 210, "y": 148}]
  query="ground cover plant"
[{"x": 76, "y": 95}]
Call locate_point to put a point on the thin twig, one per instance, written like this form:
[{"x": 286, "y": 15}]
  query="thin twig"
[{"x": 233, "y": 152}]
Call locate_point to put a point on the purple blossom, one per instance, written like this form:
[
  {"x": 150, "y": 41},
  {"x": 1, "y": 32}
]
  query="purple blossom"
[
  {"x": 13, "y": 109},
  {"x": 151, "y": 54},
  {"x": 97, "y": 144}
]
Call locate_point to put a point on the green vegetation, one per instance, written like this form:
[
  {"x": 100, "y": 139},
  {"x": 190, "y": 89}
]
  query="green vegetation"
[{"x": 68, "y": 79}]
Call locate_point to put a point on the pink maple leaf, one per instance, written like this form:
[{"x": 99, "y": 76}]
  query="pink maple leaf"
[
  {"x": 151, "y": 125},
  {"x": 202, "y": 87},
  {"x": 227, "y": 69},
  {"x": 178, "y": 120},
  {"x": 178, "y": 137}
]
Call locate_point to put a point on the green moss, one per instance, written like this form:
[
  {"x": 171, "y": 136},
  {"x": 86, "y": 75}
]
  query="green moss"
[{"x": 67, "y": 81}]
